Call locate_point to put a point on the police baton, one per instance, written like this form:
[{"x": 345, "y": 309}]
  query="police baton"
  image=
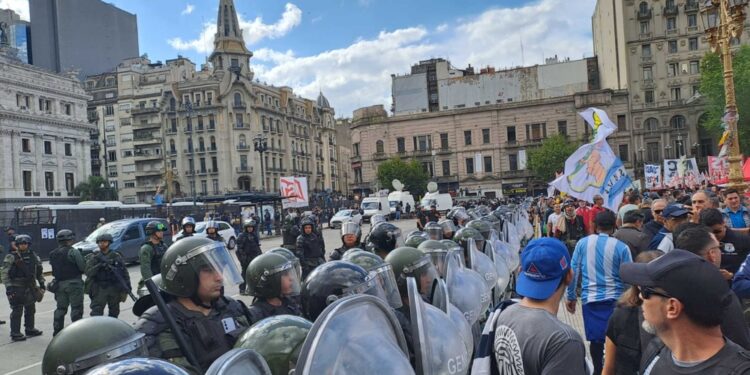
[{"x": 179, "y": 336}]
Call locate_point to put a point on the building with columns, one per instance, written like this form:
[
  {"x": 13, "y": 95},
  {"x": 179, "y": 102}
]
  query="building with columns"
[
  {"x": 192, "y": 131},
  {"x": 44, "y": 133}
]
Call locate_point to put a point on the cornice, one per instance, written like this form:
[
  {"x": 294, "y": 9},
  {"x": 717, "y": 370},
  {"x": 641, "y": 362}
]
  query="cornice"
[{"x": 82, "y": 125}]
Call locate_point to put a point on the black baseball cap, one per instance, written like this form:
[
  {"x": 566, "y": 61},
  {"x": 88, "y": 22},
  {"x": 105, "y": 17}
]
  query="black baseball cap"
[
  {"x": 685, "y": 276},
  {"x": 606, "y": 219}
]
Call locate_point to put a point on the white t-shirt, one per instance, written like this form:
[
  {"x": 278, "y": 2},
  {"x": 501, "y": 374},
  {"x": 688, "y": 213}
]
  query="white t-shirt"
[
  {"x": 553, "y": 218},
  {"x": 667, "y": 243}
]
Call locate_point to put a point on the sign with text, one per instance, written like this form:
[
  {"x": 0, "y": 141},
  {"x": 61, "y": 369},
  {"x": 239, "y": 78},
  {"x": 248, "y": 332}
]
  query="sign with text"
[{"x": 294, "y": 191}]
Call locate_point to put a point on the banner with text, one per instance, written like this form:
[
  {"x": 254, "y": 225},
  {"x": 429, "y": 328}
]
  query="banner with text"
[
  {"x": 294, "y": 192},
  {"x": 718, "y": 169},
  {"x": 653, "y": 176},
  {"x": 681, "y": 172}
]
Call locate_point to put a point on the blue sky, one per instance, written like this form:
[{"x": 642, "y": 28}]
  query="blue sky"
[{"x": 349, "y": 48}]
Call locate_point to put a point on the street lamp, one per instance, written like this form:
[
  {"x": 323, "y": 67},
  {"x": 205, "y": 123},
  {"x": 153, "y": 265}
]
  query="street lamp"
[
  {"x": 668, "y": 149},
  {"x": 261, "y": 145},
  {"x": 724, "y": 21}
]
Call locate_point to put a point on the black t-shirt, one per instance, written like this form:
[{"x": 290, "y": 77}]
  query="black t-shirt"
[
  {"x": 623, "y": 329},
  {"x": 734, "y": 249},
  {"x": 731, "y": 359}
]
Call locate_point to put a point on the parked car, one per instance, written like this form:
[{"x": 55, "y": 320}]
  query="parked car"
[
  {"x": 225, "y": 230},
  {"x": 128, "y": 235},
  {"x": 345, "y": 216}
]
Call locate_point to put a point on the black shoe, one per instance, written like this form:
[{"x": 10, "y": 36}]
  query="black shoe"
[
  {"x": 17, "y": 337},
  {"x": 33, "y": 332}
]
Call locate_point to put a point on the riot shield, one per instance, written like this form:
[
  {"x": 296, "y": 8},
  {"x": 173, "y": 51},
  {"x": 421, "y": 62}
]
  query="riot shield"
[
  {"x": 436, "y": 349},
  {"x": 480, "y": 262},
  {"x": 501, "y": 267},
  {"x": 355, "y": 335},
  {"x": 440, "y": 299},
  {"x": 466, "y": 287},
  {"x": 239, "y": 362},
  {"x": 144, "y": 301}
]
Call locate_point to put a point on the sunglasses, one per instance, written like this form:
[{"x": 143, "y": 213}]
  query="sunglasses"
[
  {"x": 658, "y": 212},
  {"x": 648, "y": 292}
]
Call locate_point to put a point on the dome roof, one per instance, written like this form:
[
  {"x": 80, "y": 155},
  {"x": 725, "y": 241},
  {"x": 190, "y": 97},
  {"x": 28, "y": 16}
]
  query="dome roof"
[{"x": 323, "y": 102}]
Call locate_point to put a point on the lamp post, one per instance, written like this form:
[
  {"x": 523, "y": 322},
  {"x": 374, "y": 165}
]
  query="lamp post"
[
  {"x": 724, "y": 21},
  {"x": 261, "y": 145},
  {"x": 668, "y": 149}
]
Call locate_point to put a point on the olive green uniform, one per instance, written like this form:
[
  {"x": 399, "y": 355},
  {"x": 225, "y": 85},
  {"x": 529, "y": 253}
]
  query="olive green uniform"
[
  {"x": 150, "y": 258},
  {"x": 19, "y": 271},
  {"x": 104, "y": 288},
  {"x": 69, "y": 291}
]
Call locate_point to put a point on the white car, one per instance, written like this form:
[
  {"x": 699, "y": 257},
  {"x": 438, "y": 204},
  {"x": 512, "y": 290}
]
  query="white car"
[
  {"x": 225, "y": 231},
  {"x": 345, "y": 216}
]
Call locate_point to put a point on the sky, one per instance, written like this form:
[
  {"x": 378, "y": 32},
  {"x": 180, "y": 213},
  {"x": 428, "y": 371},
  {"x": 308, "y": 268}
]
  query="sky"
[{"x": 348, "y": 49}]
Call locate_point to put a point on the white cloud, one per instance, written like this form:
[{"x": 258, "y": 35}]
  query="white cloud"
[
  {"x": 359, "y": 74},
  {"x": 189, "y": 8},
  {"x": 253, "y": 31},
  {"x": 19, "y": 6}
]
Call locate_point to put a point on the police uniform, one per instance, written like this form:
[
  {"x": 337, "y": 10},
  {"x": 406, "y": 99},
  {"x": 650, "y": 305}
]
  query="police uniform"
[
  {"x": 290, "y": 233},
  {"x": 261, "y": 309},
  {"x": 209, "y": 336},
  {"x": 19, "y": 271},
  {"x": 67, "y": 268},
  {"x": 102, "y": 285},
  {"x": 248, "y": 247},
  {"x": 336, "y": 254},
  {"x": 310, "y": 250},
  {"x": 150, "y": 257}
]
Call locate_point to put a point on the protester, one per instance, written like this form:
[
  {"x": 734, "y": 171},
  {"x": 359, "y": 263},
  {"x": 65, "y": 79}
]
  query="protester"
[
  {"x": 570, "y": 227},
  {"x": 584, "y": 211},
  {"x": 595, "y": 210},
  {"x": 630, "y": 233},
  {"x": 735, "y": 246},
  {"x": 674, "y": 214},
  {"x": 737, "y": 215},
  {"x": 654, "y": 226},
  {"x": 634, "y": 203},
  {"x": 698, "y": 202},
  {"x": 601, "y": 285},
  {"x": 553, "y": 218}
]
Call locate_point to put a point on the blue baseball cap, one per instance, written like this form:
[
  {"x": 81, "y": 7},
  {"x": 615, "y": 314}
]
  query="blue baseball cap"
[
  {"x": 674, "y": 210},
  {"x": 544, "y": 262}
]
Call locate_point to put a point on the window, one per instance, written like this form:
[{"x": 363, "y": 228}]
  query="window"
[
  {"x": 647, "y": 73},
  {"x": 622, "y": 124},
  {"x": 68, "y": 109},
  {"x": 562, "y": 127},
  {"x": 646, "y": 50},
  {"x": 645, "y": 27},
  {"x": 446, "y": 168},
  {"x": 485, "y": 136},
  {"x": 240, "y": 120},
  {"x": 356, "y": 149},
  {"x": 673, "y": 69},
  {"x": 513, "y": 162},
  {"x": 27, "y": 181},
  {"x": 235, "y": 63},
  {"x": 214, "y": 164},
  {"x": 70, "y": 185},
  {"x": 237, "y": 99},
  {"x": 444, "y": 141},
  {"x": 172, "y": 147},
  {"x": 109, "y": 110},
  {"x": 25, "y": 145},
  {"x": 692, "y": 20},
  {"x": 467, "y": 138},
  {"x": 48, "y": 147},
  {"x": 469, "y": 165},
  {"x": 623, "y": 151},
  {"x": 213, "y": 143},
  {"x": 696, "y": 89},
  {"x": 49, "y": 181},
  {"x": 488, "y": 164},
  {"x": 671, "y": 23},
  {"x": 422, "y": 143},
  {"x": 427, "y": 168},
  {"x": 215, "y": 183},
  {"x": 652, "y": 152},
  {"x": 649, "y": 96},
  {"x": 679, "y": 147},
  {"x": 202, "y": 162},
  {"x": 651, "y": 124},
  {"x": 400, "y": 145},
  {"x": 695, "y": 67},
  {"x": 536, "y": 132},
  {"x": 379, "y": 147},
  {"x": 677, "y": 122},
  {"x": 511, "y": 134},
  {"x": 672, "y": 46},
  {"x": 112, "y": 155},
  {"x": 676, "y": 93},
  {"x": 643, "y": 7},
  {"x": 204, "y": 187},
  {"x": 693, "y": 44}
]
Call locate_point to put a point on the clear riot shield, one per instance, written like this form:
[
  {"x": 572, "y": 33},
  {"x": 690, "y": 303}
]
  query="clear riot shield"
[
  {"x": 239, "y": 362},
  {"x": 355, "y": 335},
  {"x": 440, "y": 299},
  {"x": 501, "y": 266},
  {"x": 480, "y": 262},
  {"x": 467, "y": 288},
  {"x": 436, "y": 349}
]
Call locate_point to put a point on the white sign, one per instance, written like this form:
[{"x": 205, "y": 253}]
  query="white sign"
[
  {"x": 294, "y": 191},
  {"x": 653, "y": 176},
  {"x": 681, "y": 172}
]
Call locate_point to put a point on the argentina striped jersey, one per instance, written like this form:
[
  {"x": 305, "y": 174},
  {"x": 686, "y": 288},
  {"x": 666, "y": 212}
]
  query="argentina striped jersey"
[{"x": 596, "y": 261}]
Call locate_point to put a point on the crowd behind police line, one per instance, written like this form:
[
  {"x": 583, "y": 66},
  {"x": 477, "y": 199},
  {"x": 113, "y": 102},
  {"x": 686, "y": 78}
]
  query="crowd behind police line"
[{"x": 633, "y": 312}]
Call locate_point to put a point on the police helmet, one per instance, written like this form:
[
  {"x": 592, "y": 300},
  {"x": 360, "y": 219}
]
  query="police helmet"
[
  {"x": 65, "y": 235},
  {"x": 187, "y": 258},
  {"x": 265, "y": 275}
]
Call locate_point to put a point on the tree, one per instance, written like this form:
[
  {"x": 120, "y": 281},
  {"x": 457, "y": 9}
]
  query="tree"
[
  {"x": 550, "y": 157},
  {"x": 712, "y": 90},
  {"x": 410, "y": 173},
  {"x": 96, "y": 188}
]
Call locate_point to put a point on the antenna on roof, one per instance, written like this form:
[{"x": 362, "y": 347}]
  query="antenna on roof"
[{"x": 523, "y": 60}]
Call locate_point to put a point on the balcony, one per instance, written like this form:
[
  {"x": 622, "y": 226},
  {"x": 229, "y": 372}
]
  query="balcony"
[
  {"x": 144, "y": 110},
  {"x": 239, "y": 105},
  {"x": 145, "y": 155},
  {"x": 244, "y": 170},
  {"x": 677, "y": 102},
  {"x": 379, "y": 156},
  {"x": 146, "y": 140},
  {"x": 96, "y": 162},
  {"x": 211, "y": 127},
  {"x": 644, "y": 14},
  {"x": 150, "y": 172},
  {"x": 187, "y": 151},
  {"x": 146, "y": 125},
  {"x": 646, "y": 59},
  {"x": 241, "y": 126},
  {"x": 93, "y": 116},
  {"x": 514, "y": 173},
  {"x": 242, "y": 147},
  {"x": 670, "y": 10},
  {"x": 691, "y": 6}
]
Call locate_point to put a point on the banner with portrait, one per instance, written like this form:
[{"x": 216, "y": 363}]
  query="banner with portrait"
[
  {"x": 681, "y": 172},
  {"x": 652, "y": 173},
  {"x": 294, "y": 192},
  {"x": 718, "y": 169}
]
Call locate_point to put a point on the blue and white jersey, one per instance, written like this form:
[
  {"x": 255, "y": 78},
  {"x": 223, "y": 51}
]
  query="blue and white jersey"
[{"x": 596, "y": 260}]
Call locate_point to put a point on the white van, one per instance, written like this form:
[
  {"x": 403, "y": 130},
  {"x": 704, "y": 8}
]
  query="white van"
[
  {"x": 374, "y": 205},
  {"x": 443, "y": 202},
  {"x": 400, "y": 196}
]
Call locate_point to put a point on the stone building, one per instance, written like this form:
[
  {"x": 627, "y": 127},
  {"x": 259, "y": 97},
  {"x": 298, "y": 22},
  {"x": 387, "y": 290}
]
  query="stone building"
[{"x": 44, "y": 134}]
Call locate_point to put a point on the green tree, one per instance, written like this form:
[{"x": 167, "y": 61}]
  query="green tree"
[
  {"x": 96, "y": 188},
  {"x": 550, "y": 157},
  {"x": 410, "y": 173},
  {"x": 712, "y": 90}
]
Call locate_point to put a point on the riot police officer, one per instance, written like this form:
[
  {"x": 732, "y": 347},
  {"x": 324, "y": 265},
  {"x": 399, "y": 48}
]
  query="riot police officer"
[
  {"x": 188, "y": 227},
  {"x": 91, "y": 342},
  {"x": 194, "y": 272},
  {"x": 278, "y": 339},
  {"x": 290, "y": 231},
  {"x": 152, "y": 251},
  {"x": 67, "y": 267},
  {"x": 248, "y": 247},
  {"x": 384, "y": 238},
  {"x": 350, "y": 239},
  {"x": 212, "y": 231},
  {"x": 107, "y": 279},
  {"x": 21, "y": 269},
  {"x": 272, "y": 279},
  {"x": 310, "y": 247}
]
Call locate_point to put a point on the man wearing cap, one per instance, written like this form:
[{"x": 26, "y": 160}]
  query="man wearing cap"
[
  {"x": 631, "y": 234},
  {"x": 529, "y": 339},
  {"x": 596, "y": 260},
  {"x": 687, "y": 319},
  {"x": 569, "y": 227},
  {"x": 674, "y": 215}
]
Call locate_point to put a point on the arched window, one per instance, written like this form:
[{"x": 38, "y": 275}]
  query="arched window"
[
  {"x": 172, "y": 147},
  {"x": 237, "y": 98},
  {"x": 243, "y": 141},
  {"x": 201, "y": 144},
  {"x": 379, "y": 147},
  {"x": 213, "y": 143},
  {"x": 677, "y": 122},
  {"x": 190, "y": 145},
  {"x": 651, "y": 124},
  {"x": 643, "y": 7}
]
